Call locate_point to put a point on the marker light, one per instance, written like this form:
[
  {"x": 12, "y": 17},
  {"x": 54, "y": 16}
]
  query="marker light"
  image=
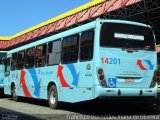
[
  {"x": 103, "y": 83},
  {"x": 155, "y": 79},
  {"x": 101, "y": 77},
  {"x": 156, "y": 75},
  {"x": 100, "y": 71}
]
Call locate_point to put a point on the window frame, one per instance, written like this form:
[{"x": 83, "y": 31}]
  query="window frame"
[
  {"x": 21, "y": 60},
  {"x": 7, "y": 66},
  {"x": 15, "y": 60},
  {"x": 93, "y": 36},
  {"x": 35, "y": 63},
  {"x": 78, "y": 41},
  {"x": 26, "y": 58},
  {"x": 126, "y": 43},
  {"x": 47, "y": 55}
]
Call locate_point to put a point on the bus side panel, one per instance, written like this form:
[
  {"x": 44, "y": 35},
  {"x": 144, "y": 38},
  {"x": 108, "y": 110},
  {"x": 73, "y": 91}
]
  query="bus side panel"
[
  {"x": 64, "y": 78},
  {"x": 22, "y": 82},
  {"x": 83, "y": 94},
  {"x": 29, "y": 82},
  {"x": 7, "y": 89},
  {"x": 48, "y": 75},
  {"x": 60, "y": 76},
  {"x": 34, "y": 82},
  {"x": 8, "y": 81},
  {"x": 37, "y": 78},
  {"x": 41, "y": 82},
  {"x": 83, "y": 90}
]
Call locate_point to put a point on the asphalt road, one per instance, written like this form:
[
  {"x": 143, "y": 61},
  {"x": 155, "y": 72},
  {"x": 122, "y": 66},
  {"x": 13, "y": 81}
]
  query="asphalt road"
[{"x": 33, "y": 109}]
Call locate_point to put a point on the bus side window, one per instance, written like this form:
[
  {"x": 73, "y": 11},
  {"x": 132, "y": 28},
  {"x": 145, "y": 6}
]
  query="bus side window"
[
  {"x": 21, "y": 60},
  {"x": 40, "y": 55},
  {"x": 14, "y": 61},
  {"x": 7, "y": 67},
  {"x": 54, "y": 52},
  {"x": 30, "y": 57},
  {"x": 70, "y": 47},
  {"x": 86, "y": 45}
]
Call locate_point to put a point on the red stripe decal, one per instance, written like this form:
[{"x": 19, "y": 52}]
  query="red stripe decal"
[
  {"x": 61, "y": 77},
  {"x": 139, "y": 63},
  {"x": 23, "y": 83}
]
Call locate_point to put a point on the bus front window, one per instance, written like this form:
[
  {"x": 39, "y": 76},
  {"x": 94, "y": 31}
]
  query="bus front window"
[{"x": 119, "y": 35}]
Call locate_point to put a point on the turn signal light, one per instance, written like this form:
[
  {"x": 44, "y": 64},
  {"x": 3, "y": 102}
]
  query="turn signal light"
[
  {"x": 101, "y": 77},
  {"x": 156, "y": 73},
  {"x": 103, "y": 83},
  {"x": 100, "y": 71},
  {"x": 155, "y": 79}
]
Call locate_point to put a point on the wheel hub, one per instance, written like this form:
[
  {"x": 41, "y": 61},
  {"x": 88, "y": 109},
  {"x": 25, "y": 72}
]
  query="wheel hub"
[{"x": 52, "y": 98}]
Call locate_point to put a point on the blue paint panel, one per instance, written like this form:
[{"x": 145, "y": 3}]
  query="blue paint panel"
[
  {"x": 2, "y": 81},
  {"x": 36, "y": 82},
  {"x": 151, "y": 66},
  {"x": 75, "y": 75}
]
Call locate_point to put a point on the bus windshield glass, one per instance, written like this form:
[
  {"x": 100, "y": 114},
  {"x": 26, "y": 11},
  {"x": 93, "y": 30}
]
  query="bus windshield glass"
[{"x": 118, "y": 35}]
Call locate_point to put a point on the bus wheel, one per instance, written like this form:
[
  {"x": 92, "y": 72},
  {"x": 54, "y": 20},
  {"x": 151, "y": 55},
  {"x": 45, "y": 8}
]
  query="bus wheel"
[
  {"x": 13, "y": 93},
  {"x": 53, "y": 97}
]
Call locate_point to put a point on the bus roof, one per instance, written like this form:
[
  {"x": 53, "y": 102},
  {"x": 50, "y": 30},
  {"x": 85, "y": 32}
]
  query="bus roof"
[
  {"x": 79, "y": 29},
  {"x": 126, "y": 22}
]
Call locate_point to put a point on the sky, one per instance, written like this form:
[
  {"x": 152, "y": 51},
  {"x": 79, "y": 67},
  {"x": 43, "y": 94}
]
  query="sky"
[{"x": 18, "y": 15}]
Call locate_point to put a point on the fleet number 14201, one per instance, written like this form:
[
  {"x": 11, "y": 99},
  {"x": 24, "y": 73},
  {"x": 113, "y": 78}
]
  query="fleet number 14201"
[{"x": 111, "y": 60}]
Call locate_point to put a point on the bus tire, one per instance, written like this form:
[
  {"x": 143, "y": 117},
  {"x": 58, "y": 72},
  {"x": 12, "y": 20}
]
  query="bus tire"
[
  {"x": 53, "y": 97},
  {"x": 14, "y": 95}
]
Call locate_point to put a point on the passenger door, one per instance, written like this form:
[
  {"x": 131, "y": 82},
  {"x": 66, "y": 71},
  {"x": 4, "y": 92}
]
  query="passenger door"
[{"x": 7, "y": 80}]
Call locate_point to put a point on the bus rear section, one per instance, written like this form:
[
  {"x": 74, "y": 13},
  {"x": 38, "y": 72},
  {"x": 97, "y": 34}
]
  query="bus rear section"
[{"x": 127, "y": 61}]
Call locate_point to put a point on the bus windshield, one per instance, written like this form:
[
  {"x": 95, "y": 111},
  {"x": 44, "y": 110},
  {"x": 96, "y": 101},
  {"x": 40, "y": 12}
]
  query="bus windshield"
[{"x": 118, "y": 35}]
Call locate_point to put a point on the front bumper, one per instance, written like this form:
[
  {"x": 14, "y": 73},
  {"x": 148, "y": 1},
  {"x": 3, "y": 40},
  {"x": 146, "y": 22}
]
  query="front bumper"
[{"x": 124, "y": 92}]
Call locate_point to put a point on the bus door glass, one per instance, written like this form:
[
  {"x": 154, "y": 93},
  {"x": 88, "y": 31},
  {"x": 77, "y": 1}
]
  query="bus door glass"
[{"x": 7, "y": 67}]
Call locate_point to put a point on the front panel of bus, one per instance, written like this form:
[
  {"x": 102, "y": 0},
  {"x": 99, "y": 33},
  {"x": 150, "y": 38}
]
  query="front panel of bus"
[{"x": 127, "y": 60}]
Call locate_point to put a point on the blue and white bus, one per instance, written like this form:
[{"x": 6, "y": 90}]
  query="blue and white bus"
[{"x": 103, "y": 58}]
